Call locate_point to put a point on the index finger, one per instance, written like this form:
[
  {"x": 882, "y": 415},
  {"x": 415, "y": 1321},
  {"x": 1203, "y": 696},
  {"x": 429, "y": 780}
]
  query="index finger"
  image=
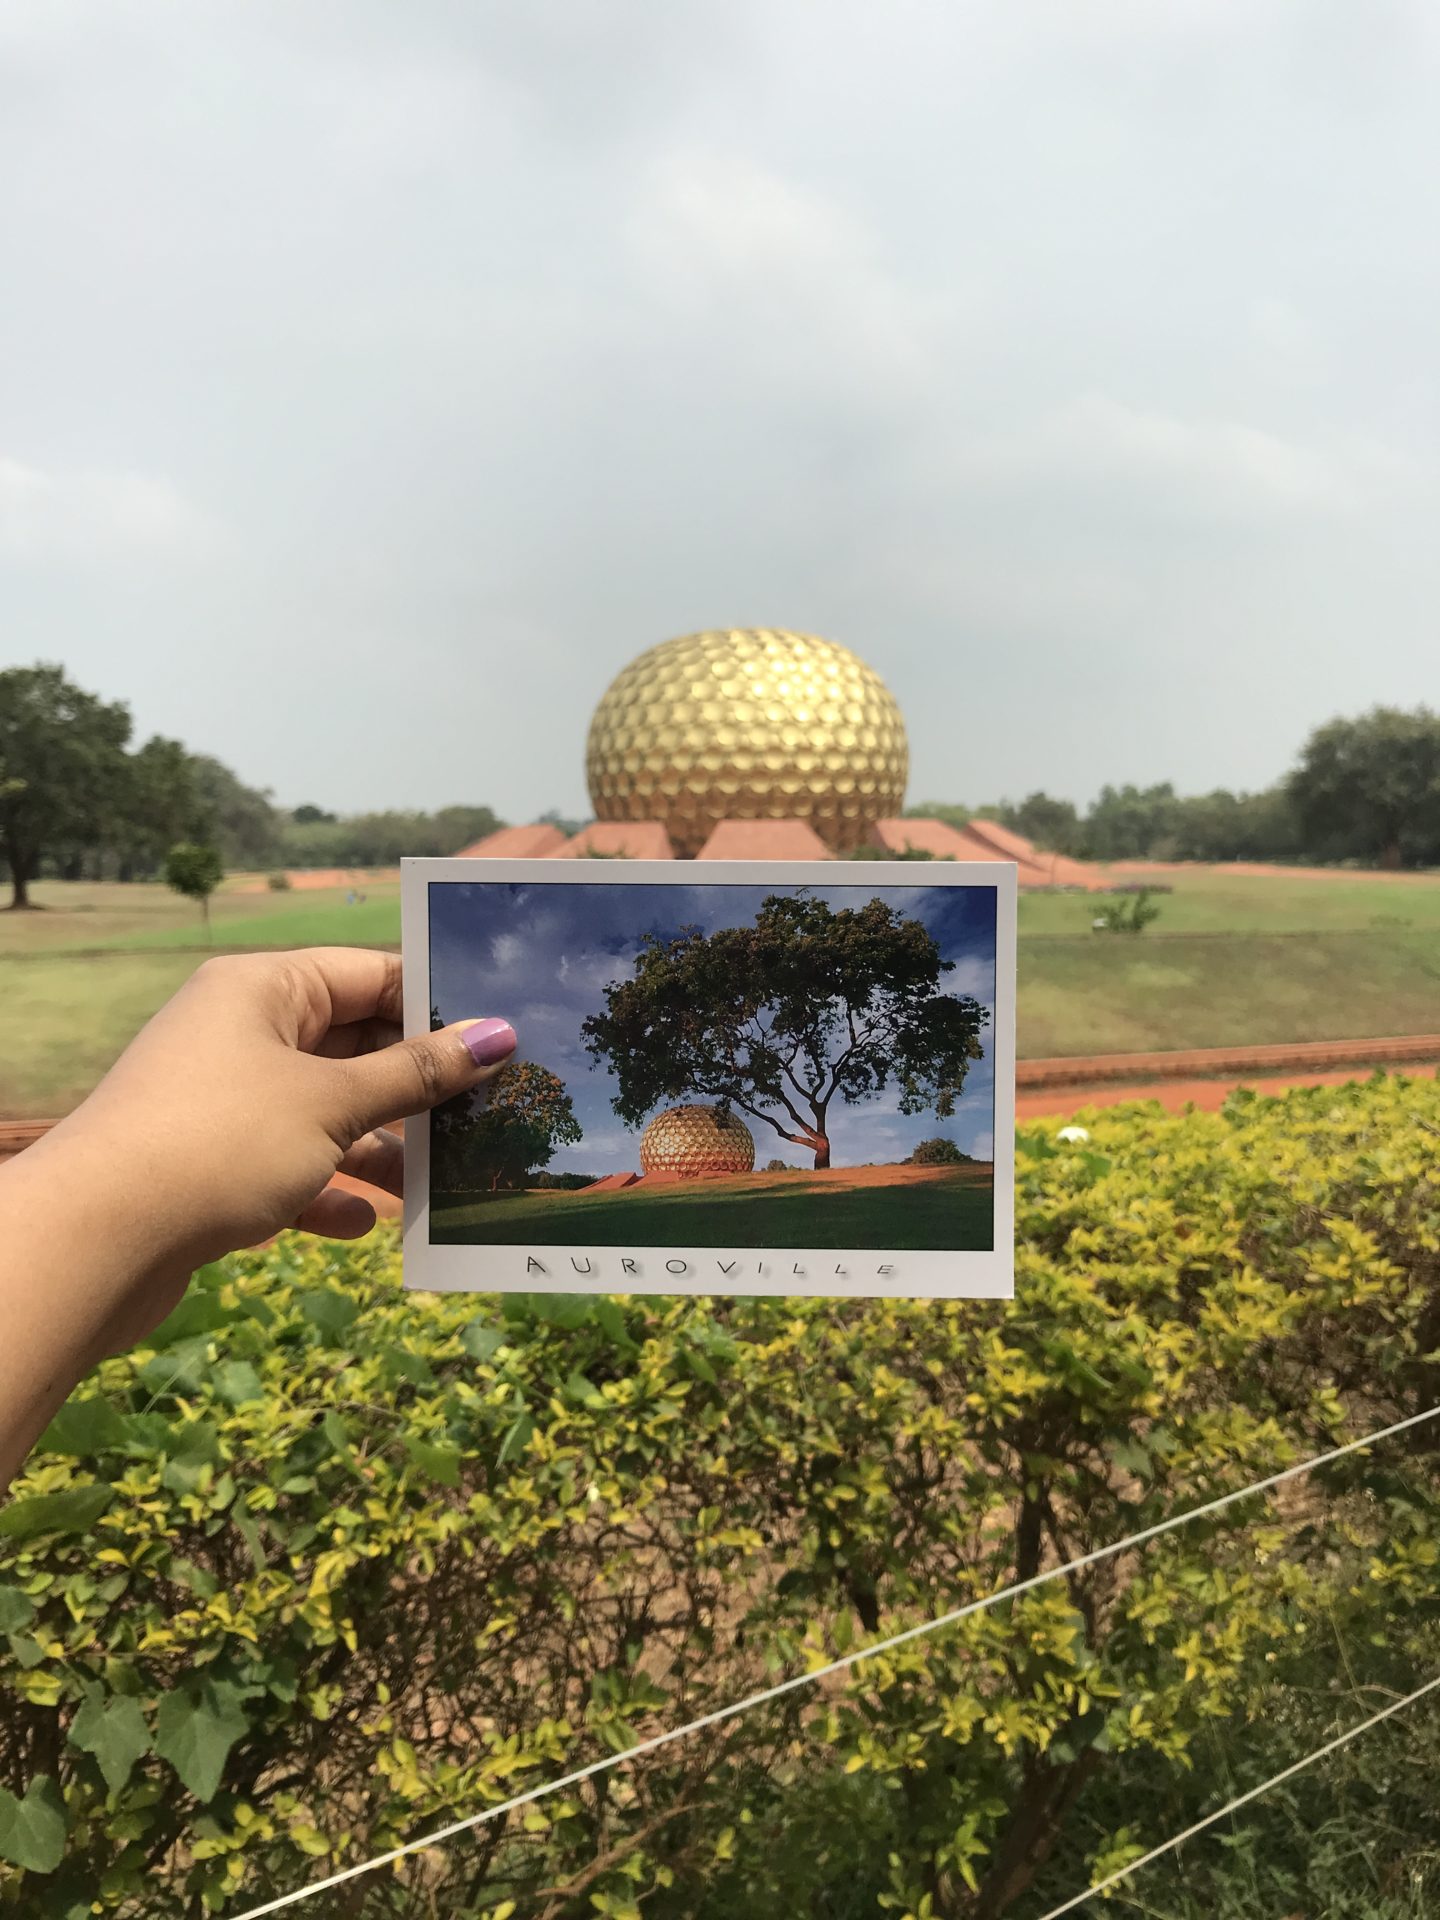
[{"x": 356, "y": 983}]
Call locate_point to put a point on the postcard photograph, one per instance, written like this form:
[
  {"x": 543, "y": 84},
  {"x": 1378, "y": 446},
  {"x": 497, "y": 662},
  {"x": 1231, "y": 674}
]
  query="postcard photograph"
[{"x": 752, "y": 1083}]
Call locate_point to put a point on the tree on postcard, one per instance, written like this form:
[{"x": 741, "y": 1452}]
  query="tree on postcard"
[
  {"x": 810, "y": 1007},
  {"x": 500, "y": 1138}
]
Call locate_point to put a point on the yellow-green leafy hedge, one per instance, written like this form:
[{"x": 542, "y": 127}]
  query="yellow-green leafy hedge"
[{"x": 326, "y": 1565}]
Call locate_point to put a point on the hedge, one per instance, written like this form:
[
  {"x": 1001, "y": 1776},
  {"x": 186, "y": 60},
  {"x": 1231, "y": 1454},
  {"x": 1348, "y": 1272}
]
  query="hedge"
[{"x": 326, "y": 1565}]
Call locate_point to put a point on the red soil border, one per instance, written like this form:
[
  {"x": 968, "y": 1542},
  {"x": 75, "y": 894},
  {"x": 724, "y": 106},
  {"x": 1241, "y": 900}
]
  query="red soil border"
[{"x": 1293, "y": 1056}]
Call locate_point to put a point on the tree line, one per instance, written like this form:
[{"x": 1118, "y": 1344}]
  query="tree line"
[
  {"x": 1363, "y": 790},
  {"x": 79, "y": 800}
]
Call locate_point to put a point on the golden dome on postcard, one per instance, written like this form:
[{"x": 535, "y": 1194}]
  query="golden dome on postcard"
[
  {"x": 694, "y": 1140},
  {"x": 748, "y": 723}
]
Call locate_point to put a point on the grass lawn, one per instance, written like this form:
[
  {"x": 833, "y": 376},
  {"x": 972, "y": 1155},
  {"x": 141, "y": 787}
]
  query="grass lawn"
[
  {"x": 901, "y": 1208},
  {"x": 79, "y": 979},
  {"x": 1232, "y": 960},
  {"x": 1113, "y": 993},
  {"x": 1212, "y": 900},
  {"x": 81, "y": 917},
  {"x": 62, "y": 1022}
]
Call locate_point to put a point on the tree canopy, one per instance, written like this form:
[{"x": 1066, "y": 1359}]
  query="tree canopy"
[
  {"x": 62, "y": 767},
  {"x": 810, "y": 1006},
  {"x": 1369, "y": 788},
  {"x": 195, "y": 870},
  {"x": 481, "y": 1142},
  {"x": 313, "y": 838}
]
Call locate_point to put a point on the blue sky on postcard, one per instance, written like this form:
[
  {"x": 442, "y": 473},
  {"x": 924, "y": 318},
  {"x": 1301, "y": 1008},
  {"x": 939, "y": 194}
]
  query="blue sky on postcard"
[{"x": 541, "y": 954}]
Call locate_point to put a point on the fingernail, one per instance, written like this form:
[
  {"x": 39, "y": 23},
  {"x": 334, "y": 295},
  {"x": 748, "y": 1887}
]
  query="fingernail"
[{"x": 488, "y": 1041}]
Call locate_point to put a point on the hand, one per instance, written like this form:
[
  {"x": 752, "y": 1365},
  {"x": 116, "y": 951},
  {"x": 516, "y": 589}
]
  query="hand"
[{"x": 222, "y": 1123}]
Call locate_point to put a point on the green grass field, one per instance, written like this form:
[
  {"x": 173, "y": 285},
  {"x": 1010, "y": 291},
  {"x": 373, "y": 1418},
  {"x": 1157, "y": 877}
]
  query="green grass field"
[
  {"x": 1210, "y": 900},
  {"x": 113, "y": 917},
  {"x": 932, "y": 1207},
  {"x": 1113, "y": 994},
  {"x": 1231, "y": 961}
]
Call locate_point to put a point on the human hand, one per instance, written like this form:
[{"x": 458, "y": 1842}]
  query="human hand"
[{"x": 228, "y": 1115}]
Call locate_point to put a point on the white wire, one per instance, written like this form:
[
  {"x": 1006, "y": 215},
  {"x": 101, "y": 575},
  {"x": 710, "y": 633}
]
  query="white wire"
[
  {"x": 1286, "y": 1773},
  {"x": 808, "y": 1678}
]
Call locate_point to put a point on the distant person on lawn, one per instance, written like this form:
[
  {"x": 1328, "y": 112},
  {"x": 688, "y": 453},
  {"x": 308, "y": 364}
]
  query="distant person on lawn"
[{"x": 220, "y": 1124}]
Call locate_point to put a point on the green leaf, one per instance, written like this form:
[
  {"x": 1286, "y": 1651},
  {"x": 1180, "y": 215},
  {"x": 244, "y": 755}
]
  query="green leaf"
[
  {"x": 199, "y": 1580},
  {"x": 402, "y": 1364},
  {"x": 194, "y": 1446},
  {"x": 199, "y": 1313},
  {"x": 564, "y": 1310},
  {"x": 83, "y": 1427},
  {"x": 437, "y": 1463},
  {"x": 236, "y": 1381},
  {"x": 331, "y": 1313},
  {"x": 696, "y": 1363},
  {"x": 336, "y": 1430},
  {"x": 73, "y": 1510},
  {"x": 480, "y": 1341},
  {"x": 114, "y": 1731},
  {"x": 249, "y": 1531},
  {"x": 195, "y": 1728},
  {"x": 32, "y": 1830},
  {"x": 17, "y": 1609},
  {"x": 610, "y": 1318},
  {"x": 516, "y": 1440},
  {"x": 27, "y": 1650},
  {"x": 147, "y": 1434},
  {"x": 577, "y": 1387},
  {"x": 180, "y": 1369},
  {"x": 1133, "y": 1456}
]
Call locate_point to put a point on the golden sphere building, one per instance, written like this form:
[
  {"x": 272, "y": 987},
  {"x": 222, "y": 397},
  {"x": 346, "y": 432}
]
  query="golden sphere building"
[
  {"x": 692, "y": 1140},
  {"x": 752, "y": 723}
]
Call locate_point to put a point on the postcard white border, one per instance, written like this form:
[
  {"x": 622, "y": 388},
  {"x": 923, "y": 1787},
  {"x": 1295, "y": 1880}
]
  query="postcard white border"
[{"x": 830, "y": 1272}]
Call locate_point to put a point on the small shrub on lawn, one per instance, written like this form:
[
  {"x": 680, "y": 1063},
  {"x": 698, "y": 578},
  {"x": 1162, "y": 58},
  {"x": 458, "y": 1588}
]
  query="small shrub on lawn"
[
  {"x": 939, "y": 1152},
  {"x": 325, "y": 1564}
]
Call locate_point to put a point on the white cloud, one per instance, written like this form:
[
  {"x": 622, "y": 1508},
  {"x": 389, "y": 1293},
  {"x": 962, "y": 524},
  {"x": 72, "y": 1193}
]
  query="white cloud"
[
  {"x": 974, "y": 976},
  {"x": 1147, "y": 461},
  {"x": 92, "y": 514},
  {"x": 507, "y": 950},
  {"x": 782, "y": 283}
]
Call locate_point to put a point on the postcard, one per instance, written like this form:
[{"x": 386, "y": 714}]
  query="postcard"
[{"x": 733, "y": 1077}]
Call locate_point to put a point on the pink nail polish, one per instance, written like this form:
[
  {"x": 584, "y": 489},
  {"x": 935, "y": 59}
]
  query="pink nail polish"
[{"x": 488, "y": 1041}]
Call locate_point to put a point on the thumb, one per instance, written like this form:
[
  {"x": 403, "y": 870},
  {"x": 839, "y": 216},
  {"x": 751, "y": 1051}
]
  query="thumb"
[{"x": 414, "y": 1075}]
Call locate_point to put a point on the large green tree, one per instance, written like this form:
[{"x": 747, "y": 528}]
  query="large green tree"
[
  {"x": 380, "y": 839},
  {"x": 1369, "y": 788},
  {"x": 239, "y": 819},
  {"x": 500, "y": 1137},
  {"x": 160, "y": 805},
  {"x": 810, "y": 1006},
  {"x": 1053, "y": 825},
  {"x": 1132, "y": 823},
  {"x": 62, "y": 768}
]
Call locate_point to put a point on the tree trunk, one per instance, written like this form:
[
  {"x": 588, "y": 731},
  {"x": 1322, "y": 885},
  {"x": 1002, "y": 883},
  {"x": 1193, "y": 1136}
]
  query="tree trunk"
[
  {"x": 822, "y": 1152},
  {"x": 19, "y": 878},
  {"x": 205, "y": 910}
]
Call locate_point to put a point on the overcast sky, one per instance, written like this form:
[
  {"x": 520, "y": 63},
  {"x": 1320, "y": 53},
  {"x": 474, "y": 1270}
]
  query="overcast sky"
[
  {"x": 376, "y": 379},
  {"x": 546, "y": 953}
]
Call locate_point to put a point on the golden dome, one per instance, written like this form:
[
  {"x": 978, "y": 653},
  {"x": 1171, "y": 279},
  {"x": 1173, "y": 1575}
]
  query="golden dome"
[
  {"x": 748, "y": 723},
  {"x": 692, "y": 1140}
]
